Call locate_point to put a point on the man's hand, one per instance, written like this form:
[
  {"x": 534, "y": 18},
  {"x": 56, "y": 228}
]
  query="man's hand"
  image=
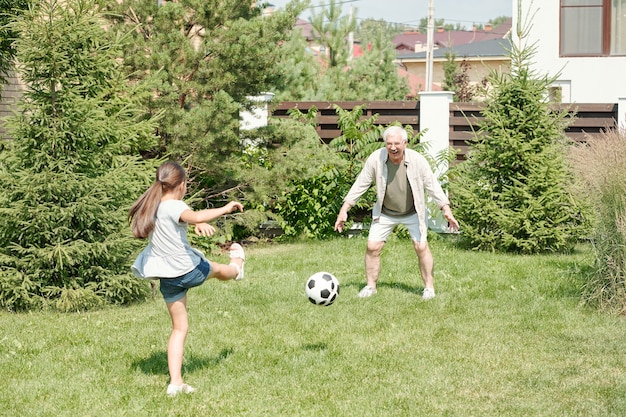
[
  {"x": 341, "y": 220},
  {"x": 453, "y": 225}
]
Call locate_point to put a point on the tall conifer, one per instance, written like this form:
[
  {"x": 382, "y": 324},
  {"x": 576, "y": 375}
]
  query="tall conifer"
[
  {"x": 72, "y": 170},
  {"x": 512, "y": 194}
]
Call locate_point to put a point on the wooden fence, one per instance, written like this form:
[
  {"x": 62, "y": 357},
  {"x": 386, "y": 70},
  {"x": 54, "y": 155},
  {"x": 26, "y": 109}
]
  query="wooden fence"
[
  {"x": 405, "y": 112},
  {"x": 590, "y": 118}
]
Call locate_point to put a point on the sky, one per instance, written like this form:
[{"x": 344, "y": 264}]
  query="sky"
[{"x": 465, "y": 12}]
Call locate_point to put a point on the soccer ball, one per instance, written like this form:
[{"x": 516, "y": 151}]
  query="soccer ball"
[{"x": 322, "y": 288}]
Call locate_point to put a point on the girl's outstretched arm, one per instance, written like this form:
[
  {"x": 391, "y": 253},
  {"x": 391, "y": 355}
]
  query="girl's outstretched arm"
[{"x": 207, "y": 215}]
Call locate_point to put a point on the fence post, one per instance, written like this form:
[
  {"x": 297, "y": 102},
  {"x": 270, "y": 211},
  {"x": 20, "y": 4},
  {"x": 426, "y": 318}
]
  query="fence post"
[
  {"x": 435, "y": 123},
  {"x": 257, "y": 116},
  {"x": 621, "y": 114}
]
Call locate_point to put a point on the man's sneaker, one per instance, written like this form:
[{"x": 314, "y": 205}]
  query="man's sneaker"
[
  {"x": 174, "y": 390},
  {"x": 367, "y": 292},
  {"x": 429, "y": 294}
]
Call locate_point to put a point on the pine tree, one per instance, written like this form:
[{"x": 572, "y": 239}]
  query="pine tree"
[
  {"x": 332, "y": 30},
  {"x": 202, "y": 60},
  {"x": 512, "y": 192},
  {"x": 8, "y": 9},
  {"x": 73, "y": 168}
]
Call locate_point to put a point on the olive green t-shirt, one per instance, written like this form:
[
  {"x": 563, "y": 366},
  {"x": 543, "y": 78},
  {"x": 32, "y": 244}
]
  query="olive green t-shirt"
[{"x": 398, "y": 195}]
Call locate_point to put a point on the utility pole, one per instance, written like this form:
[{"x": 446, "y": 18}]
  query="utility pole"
[
  {"x": 351, "y": 37},
  {"x": 429, "y": 44}
]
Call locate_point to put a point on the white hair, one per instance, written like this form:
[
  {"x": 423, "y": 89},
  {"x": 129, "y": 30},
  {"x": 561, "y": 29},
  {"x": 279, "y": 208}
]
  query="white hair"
[{"x": 394, "y": 130}]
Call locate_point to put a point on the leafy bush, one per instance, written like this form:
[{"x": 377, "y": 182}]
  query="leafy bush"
[
  {"x": 601, "y": 167},
  {"x": 310, "y": 206},
  {"x": 275, "y": 158}
]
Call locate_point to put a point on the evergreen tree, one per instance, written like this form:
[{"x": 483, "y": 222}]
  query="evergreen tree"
[
  {"x": 9, "y": 9},
  {"x": 439, "y": 23},
  {"x": 371, "y": 76},
  {"x": 73, "y": 168},
  {"x": 332, "y": 30},
  {"x": 299, "y": 68},
  {"x": 201, "y": 60},
  {"x": 374, "y": 75},
  {"x": 369, "y": 30},
  {"x": 512, "y": 192}
]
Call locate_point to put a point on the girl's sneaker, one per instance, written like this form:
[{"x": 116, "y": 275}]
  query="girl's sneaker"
[{"x": 236, "y": 251}]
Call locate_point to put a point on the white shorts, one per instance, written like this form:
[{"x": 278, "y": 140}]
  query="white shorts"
[{"x": 382, "y": 227}]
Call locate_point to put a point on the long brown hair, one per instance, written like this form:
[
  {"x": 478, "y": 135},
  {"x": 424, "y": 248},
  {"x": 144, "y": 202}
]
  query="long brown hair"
[{"x": 169, "y": 175}]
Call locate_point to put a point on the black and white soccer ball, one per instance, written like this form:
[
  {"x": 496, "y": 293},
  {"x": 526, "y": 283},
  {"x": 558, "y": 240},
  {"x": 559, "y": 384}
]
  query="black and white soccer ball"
[{"x": 322, "y": 288}]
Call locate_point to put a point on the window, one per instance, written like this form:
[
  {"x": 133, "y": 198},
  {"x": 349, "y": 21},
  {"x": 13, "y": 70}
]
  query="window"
[{"x": 593, "y": 27}]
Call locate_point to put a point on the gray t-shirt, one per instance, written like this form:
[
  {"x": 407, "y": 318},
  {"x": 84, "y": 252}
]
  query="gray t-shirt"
[
  {"x": 168, "y": 254},
  {"x": 398, "y": 195}
]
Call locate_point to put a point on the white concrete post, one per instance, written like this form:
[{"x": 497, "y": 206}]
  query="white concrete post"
[
  {"x": 258, "y": 115},
  {"x": 621, "y": 114},
  {"x": 435, "y": 123}
]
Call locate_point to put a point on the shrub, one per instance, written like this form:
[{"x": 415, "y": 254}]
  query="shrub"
[
  {"x": 601, "y": 166},
  {"x": 310, "y": 206},
  {"x": 512, "y": 193}
]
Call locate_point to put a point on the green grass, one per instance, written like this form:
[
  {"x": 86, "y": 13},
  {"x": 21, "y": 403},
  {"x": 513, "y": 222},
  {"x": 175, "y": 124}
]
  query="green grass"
[{"x": 505, "y": 336}]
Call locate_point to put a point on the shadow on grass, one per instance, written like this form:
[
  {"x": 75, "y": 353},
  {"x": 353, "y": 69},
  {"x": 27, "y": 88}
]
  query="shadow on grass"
[
  {"x": 393, "y": 285},
  {"x": 156, "y": 363},
  {"x": 315, "y": 347}
]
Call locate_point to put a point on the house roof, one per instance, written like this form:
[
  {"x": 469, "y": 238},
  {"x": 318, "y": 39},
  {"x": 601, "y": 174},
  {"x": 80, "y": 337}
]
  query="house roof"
[
  {"x": 405, "y": 42},
  {"x": 484, "y": 49},
  {"x": 306, "y": 28}
]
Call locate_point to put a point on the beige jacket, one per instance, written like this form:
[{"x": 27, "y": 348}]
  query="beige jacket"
[{"x": 420, "y": 176}]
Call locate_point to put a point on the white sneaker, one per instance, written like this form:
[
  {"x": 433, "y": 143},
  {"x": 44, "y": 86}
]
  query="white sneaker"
[
  {"x": 173, "y": 390},
  {"x": 236, "y": 251},
  {"x": 429, "y": 294},
  {"x": 367, "y": 292}
]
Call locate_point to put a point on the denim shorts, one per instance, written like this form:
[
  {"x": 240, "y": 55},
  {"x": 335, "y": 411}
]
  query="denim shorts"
[{"x": 173, "y": 289}]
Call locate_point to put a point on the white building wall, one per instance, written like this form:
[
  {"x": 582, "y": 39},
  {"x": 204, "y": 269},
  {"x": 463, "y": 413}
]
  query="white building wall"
[{"x": 590, "y": 80}]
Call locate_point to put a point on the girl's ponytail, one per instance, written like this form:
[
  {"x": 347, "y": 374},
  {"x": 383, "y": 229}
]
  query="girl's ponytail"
[{"x": 141, "y": 215}]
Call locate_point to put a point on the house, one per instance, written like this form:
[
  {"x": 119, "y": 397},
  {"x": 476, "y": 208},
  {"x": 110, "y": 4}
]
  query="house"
[
  {"x": 413, "y": 42},
  {"x": 415, "y": 82},
  {"x": 483, "y": 50},
  {"x": 482, "y": 57},
  {"x": 582, "y": 43}
]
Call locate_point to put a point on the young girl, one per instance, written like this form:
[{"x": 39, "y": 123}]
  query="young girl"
[{"x": 161, "y": 216}]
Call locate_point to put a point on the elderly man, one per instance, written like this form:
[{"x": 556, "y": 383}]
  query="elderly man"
[{"x": 401, "y": 176}]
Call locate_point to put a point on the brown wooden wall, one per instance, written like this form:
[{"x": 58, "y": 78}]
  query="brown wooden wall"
[
  {"x": 11, "y": 92},
  {"x": 591, "y": 118},
  {"x": 405, "y": 112}
]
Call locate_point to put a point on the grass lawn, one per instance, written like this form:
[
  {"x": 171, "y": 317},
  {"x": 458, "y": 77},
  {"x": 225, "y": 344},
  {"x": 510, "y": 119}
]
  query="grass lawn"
[{"x": 505, "y": 336}]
